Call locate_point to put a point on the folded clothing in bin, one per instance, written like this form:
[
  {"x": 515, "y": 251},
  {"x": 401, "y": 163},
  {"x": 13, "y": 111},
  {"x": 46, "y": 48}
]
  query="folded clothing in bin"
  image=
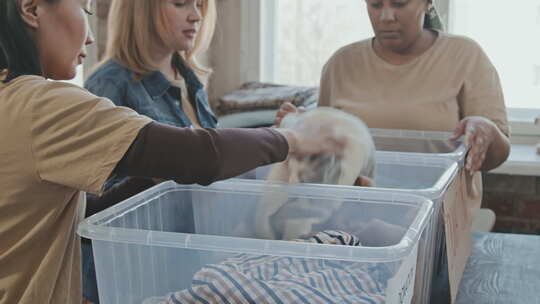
[{"x": 247, "y": 278}]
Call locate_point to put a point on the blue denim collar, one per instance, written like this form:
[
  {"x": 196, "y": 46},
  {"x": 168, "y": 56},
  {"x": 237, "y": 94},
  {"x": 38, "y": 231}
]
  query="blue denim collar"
[
  {"x": 152, "y": 95},
  {"x": 157, "y": 84}
]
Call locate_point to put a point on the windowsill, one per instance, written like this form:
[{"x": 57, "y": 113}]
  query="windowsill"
[
  {"x": 525, "y": 134},
  {"x": 522, "y": 121},
  {"x": 523, "y": 160},
  {"x": 523, "y": 130}
]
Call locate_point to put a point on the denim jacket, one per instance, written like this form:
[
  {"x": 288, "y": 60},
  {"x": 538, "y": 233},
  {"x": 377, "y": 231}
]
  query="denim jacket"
[{"x": 153, "y": 96}]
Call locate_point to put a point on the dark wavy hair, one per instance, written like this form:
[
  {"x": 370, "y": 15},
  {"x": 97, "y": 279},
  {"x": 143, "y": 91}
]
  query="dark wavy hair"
[{"x": 18, "y": 52}]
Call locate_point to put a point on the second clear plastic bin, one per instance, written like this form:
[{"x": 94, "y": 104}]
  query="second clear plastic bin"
[
  {"x": 175, "y": 239},
  {"x": 433, "y": 143}
]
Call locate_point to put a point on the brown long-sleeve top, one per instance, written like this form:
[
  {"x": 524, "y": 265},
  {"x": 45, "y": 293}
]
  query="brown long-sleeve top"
[
  {"x": 189, "y": 156},
  {"x": 59, "y": 141}
]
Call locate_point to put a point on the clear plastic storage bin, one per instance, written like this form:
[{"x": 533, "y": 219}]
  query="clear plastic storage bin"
[
  {"x": 153, "y": 244},
  {"x": 429, "y": 177},
  {"x": 433, "y": 143},
  {"x": 418, "y": 174}
]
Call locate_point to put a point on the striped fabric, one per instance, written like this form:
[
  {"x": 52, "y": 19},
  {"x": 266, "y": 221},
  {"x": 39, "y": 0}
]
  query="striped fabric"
[
  {"x": 331, "y": 237},
  {"x": 272, "y": 279}
]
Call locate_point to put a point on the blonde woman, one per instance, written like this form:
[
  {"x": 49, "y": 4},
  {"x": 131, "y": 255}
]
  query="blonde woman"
[{"x": 150, "y": 65}]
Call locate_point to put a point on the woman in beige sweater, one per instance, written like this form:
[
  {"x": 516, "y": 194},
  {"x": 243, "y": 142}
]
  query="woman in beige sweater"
[{"x": 411, "y": 75}]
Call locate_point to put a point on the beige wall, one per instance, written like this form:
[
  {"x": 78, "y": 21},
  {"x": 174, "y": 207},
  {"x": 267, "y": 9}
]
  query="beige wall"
[{"x": 224, "y": 54}]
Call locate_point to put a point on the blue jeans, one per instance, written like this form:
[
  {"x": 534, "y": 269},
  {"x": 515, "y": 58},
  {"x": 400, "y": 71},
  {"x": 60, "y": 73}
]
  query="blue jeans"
[{"x": 90, "y": 291}]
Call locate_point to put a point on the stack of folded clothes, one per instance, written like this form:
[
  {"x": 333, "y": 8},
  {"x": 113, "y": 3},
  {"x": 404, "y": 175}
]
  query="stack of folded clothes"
[{"x": 247, "y": 278}]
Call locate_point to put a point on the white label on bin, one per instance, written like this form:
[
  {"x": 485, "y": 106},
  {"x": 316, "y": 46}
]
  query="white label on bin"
[{"x": 401, "y": 287}]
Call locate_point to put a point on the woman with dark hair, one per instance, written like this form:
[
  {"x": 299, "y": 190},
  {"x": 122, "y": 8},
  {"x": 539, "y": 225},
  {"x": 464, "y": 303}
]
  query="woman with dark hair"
[{"x": 59, "y": 140}]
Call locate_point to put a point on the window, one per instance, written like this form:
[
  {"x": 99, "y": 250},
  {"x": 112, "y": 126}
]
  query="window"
[
  {"x": 509, "y": 32},
  {"x": 307, "y": 32},
  {"x": 289, "y": 42},
  {"x": 304, "y": 44}
]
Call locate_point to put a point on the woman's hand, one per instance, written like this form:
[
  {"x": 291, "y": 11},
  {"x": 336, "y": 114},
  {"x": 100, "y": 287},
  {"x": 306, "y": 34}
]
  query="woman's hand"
[
  {"x": 285, "y": 109},
  {"x": 303, "y": 143},
  {"x": 488, "y": 146}
]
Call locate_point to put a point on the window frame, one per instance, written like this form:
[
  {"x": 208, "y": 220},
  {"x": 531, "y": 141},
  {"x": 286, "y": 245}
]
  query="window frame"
[{"x": 257, "y": 41}]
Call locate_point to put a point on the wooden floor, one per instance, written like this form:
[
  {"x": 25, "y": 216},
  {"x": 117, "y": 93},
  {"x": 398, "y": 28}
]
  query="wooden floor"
[{"x": 503, "y": 269}]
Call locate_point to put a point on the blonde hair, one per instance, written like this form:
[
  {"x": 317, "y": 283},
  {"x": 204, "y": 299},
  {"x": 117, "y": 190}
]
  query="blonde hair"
[{"x": 133, "y": 25}]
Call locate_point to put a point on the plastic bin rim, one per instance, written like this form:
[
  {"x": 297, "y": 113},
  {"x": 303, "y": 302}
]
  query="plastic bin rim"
[
  {"x": 434, "y": 192},
  {"x": 457, "y": 155},
  {"x": 89, "y": 228},
  {"x": 256, "y": 246},
  {"x": 427, "y": 134}
]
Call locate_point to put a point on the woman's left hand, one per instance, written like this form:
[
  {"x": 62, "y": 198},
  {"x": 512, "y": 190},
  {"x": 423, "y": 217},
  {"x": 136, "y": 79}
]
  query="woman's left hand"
[
  {"x": 285, "y": 109},
  {"x": 479, "y": 133}
]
